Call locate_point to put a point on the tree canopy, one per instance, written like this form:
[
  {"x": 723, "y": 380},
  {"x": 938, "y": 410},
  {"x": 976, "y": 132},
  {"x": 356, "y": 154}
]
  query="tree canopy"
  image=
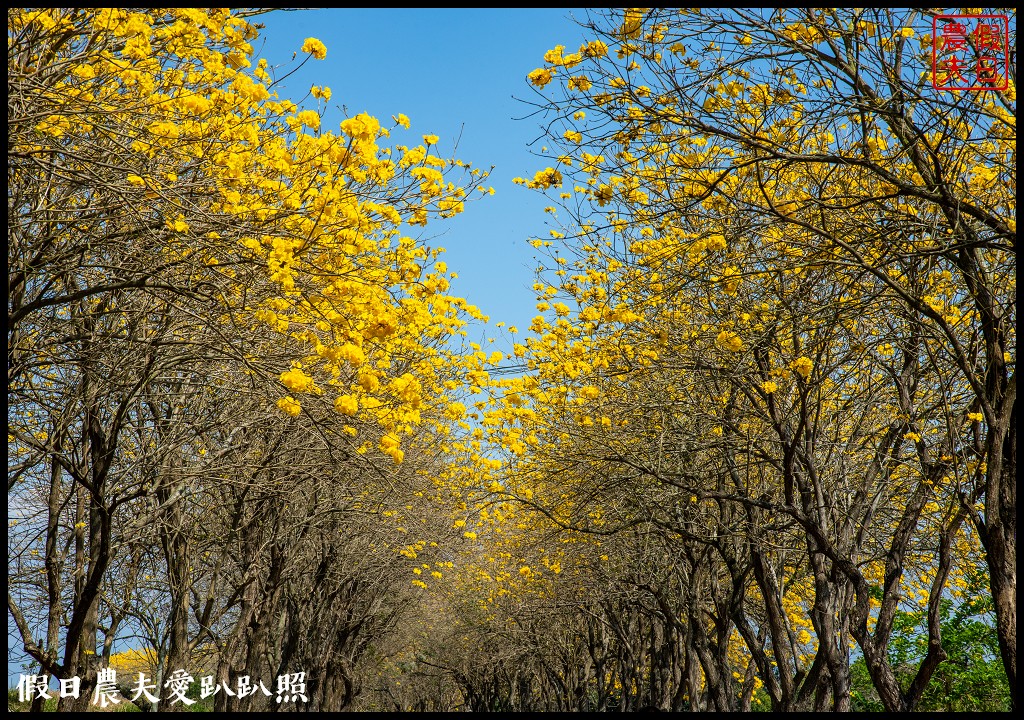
[{"x": 758, "y": 451}]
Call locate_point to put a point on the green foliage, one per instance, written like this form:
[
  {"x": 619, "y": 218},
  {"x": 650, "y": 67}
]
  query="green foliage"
[{"x": 971, "y": 679}]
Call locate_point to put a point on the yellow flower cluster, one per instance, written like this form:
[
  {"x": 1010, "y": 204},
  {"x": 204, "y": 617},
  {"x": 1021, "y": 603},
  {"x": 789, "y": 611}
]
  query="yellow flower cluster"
[
  {"x": 320, "y": 211},
  {"x": 315, "y": 48},
  {"x": 541, "y": 76},
  {"x": 730, "y": 341},
  {"x": 289, "y": 405},
  {"x": 803, "y": 366}
]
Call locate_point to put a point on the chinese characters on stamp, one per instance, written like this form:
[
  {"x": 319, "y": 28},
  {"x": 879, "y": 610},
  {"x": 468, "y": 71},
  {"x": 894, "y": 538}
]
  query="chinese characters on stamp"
[{"x": 970, "y": 52}]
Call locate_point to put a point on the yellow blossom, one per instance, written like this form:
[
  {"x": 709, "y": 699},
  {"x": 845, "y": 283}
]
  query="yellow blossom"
[
  {"x": 803, "y": 366},
  {"x": 346, "y": 405},
  {"x": 730, "y": 341},
  {"x": 540, "y": 77},
  {"x": 296, "y": 380},
  {"x": 289, "y": 405},
  {"x": 315, "y": 48}
]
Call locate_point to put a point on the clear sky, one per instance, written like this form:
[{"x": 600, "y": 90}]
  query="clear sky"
[{"x": 461, "y": 75}]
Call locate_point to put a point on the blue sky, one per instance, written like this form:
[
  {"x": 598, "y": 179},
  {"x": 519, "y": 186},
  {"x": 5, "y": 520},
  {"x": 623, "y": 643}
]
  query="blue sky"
[{"x": 456, "y": 74}]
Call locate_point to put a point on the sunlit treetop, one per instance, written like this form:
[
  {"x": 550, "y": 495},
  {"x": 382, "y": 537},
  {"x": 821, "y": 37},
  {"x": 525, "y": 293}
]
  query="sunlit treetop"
[{"x": 169, "y": 116}]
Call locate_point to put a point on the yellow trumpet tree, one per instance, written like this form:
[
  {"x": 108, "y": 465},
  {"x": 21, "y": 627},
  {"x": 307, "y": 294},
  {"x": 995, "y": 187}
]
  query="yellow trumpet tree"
[
  {"x": 176, "y": 227},
  {"x": 778, "y": 321}
]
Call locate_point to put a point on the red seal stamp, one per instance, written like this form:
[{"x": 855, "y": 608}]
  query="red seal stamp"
[{"x": 970, "y": 52}]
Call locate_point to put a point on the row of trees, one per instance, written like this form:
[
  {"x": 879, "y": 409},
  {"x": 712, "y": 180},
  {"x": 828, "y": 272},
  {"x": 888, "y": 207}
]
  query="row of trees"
[
  {"x": 221, "y": 348},
  {"x": 775, "y": 363},
  {"x": 759, "y": 452}
]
